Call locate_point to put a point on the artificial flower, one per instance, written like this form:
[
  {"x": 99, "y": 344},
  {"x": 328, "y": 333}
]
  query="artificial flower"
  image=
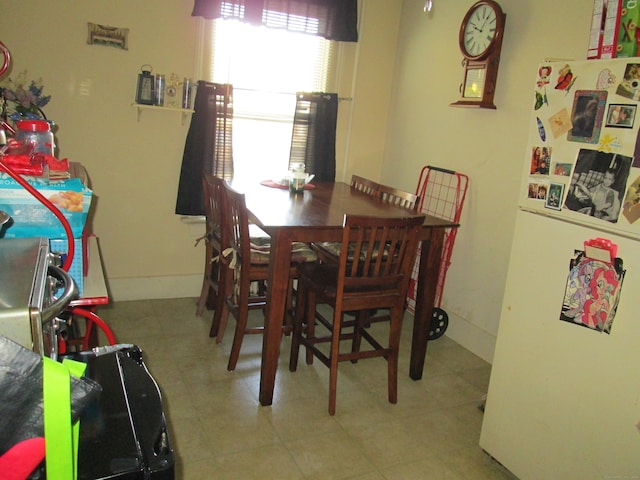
[{"x": 23, "y": 99}]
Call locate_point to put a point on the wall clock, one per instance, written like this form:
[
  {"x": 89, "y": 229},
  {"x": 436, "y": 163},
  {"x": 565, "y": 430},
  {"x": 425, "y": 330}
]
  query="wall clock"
[{"x": 480, "y": 41}]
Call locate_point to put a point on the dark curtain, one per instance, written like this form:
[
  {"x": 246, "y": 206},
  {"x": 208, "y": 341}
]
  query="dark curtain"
[
  {"x": 331, "y": 19},
  {"x": 314, "y": 134},
  {"x": 208, "y": 147}
]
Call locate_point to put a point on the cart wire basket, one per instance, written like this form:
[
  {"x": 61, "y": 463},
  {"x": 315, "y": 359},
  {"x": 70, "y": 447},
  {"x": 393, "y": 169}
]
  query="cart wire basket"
[{"x": 442, "y": 193}]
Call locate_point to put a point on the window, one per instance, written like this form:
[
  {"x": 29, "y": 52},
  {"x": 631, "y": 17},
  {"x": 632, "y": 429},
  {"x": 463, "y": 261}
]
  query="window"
[{"x": 266, "y": 68}]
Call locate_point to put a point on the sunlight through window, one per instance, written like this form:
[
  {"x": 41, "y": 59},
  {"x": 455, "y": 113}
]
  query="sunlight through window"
[{"x": 266, "y": 68}]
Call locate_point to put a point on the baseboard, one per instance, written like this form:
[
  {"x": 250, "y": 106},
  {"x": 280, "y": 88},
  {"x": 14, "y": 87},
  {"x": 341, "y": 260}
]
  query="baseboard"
[
  {"x": 145, "y": 288},
  {"x": 470, "y": 336}
]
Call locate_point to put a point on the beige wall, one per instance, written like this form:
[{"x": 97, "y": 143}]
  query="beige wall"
[
  {"x": 486, "y": 145},
  {"x": 371, "y": 86},
  {"x": 134, "y": 165},
  {"x": 407, "y": 71}
]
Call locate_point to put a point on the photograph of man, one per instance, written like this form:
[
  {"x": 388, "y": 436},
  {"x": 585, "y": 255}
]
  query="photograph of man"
[{"x": 598, "y": 184}]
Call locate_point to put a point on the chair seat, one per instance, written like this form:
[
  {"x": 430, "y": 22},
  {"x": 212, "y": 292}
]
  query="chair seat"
[
  {"x": 258, "y": 236},
  {"x": 261, "y": 247},
  {"x": 329, "y": 252},
  {"x": 323, "y": 278},
  {"x": 300, "y": 253}
]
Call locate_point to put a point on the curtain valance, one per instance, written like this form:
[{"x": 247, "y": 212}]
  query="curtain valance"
[{"x": 331, "y": 19}]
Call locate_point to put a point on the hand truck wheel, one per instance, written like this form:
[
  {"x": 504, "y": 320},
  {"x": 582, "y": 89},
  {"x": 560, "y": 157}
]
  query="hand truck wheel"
[{"x": 439, "y": 323}]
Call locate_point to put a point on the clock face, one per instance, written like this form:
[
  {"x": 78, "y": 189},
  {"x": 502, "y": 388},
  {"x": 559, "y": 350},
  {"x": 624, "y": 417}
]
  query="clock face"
[{"x": 479, "y": 30}]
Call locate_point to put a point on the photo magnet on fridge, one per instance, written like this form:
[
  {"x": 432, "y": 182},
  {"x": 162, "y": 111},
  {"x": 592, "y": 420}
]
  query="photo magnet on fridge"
[
  {"x": 587, "y": 116},
  {"x": 592, "y": 292},
  {"x": 598, "y": 184}
]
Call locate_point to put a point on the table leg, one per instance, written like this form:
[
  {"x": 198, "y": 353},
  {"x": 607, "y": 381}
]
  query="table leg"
[
  {"x": 430, "y": 257},
  {"x": 278, "y": 283}
]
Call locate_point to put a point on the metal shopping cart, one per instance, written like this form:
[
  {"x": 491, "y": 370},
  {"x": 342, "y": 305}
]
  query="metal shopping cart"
[{"x": 442, "y": 193}]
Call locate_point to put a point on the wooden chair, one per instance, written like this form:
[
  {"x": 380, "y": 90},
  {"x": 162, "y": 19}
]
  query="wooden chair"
[
  {"x": 399, "y": 198},
  {"x": 366, "y": 281},
  {"x": 243, "y": 262},
  {"x": 211, "y": 189},
  {"x": 364, "y": 185},
  {"x": 212, "y": 288}
]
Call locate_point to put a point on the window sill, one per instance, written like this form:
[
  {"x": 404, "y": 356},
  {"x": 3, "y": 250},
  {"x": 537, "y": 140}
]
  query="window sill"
[{"x": 193, "y": 219}]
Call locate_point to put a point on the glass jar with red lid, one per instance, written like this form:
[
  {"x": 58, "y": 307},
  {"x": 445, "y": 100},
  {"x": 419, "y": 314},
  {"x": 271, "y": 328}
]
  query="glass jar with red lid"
[{"x": 37, "y": 133}]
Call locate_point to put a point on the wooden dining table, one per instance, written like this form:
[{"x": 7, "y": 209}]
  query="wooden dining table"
[{"x": 317, "y": 215}]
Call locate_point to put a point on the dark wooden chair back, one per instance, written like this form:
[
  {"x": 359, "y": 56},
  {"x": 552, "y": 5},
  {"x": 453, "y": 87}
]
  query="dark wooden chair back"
[
  {"x": 213, "y": 189},
  {"x": 235, "y": 233},
  {"x": 399, "y": 198},
  {"x": 213, "y": 198},
  {"x": 364, "y": 185},
  {"x": 367, "y": 278}
]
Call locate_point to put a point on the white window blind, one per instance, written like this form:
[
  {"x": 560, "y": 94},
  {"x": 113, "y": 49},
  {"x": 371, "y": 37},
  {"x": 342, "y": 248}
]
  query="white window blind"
[{"x": 266, "y": 68}]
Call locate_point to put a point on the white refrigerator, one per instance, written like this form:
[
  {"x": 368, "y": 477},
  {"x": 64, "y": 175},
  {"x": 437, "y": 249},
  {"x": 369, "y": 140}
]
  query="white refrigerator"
[{"x": 564, "y": 395}]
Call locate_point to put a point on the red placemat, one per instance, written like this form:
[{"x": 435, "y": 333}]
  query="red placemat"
[{"x": 271, "y": 183}]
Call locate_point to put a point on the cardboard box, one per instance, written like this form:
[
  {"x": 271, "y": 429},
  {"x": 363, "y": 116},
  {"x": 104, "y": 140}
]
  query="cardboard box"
[
  {"x": 610, "y": 32},
  {"x": 627, "y": 44},
  {"x": 597, "y": 26},
  {"x": 30, "y": 218},
  {"x": 59, "y": 245},
  {"x": 605, "y": 21}
]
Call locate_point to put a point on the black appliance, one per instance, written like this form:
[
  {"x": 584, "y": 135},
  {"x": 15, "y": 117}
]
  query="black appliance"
[{"x": 123, "y": 434}]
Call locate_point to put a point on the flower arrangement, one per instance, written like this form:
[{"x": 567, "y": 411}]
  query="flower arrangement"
[{"x": 24, "y": 98}]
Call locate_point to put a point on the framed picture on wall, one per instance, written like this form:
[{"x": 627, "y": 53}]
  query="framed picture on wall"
[{"x": 108, "y": 36}]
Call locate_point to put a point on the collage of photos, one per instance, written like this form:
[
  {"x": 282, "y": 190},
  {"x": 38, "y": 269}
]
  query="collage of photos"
[{"x": 591, "y": 180}]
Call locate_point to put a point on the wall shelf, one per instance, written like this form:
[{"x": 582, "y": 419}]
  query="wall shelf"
[{"x": 185, "y": 111}]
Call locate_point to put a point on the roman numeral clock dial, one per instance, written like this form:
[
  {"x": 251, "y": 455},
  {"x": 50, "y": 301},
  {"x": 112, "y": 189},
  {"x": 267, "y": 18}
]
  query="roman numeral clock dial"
[{"x": 480, "y": 42}]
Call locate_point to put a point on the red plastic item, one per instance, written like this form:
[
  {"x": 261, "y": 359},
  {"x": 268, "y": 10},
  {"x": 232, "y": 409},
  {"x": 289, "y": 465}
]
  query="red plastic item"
[
  {"x": 92, "y": 319},
  {"x": 600, "y": 246},
  {"x": 33, "y": 125},
  {"x": 21, "y": 460},
  {"x": 33, "y": 165}
]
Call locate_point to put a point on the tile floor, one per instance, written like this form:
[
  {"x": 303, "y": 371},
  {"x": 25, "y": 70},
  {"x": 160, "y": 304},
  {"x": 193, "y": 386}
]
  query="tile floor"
[{"x": 219, "y": 430}]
